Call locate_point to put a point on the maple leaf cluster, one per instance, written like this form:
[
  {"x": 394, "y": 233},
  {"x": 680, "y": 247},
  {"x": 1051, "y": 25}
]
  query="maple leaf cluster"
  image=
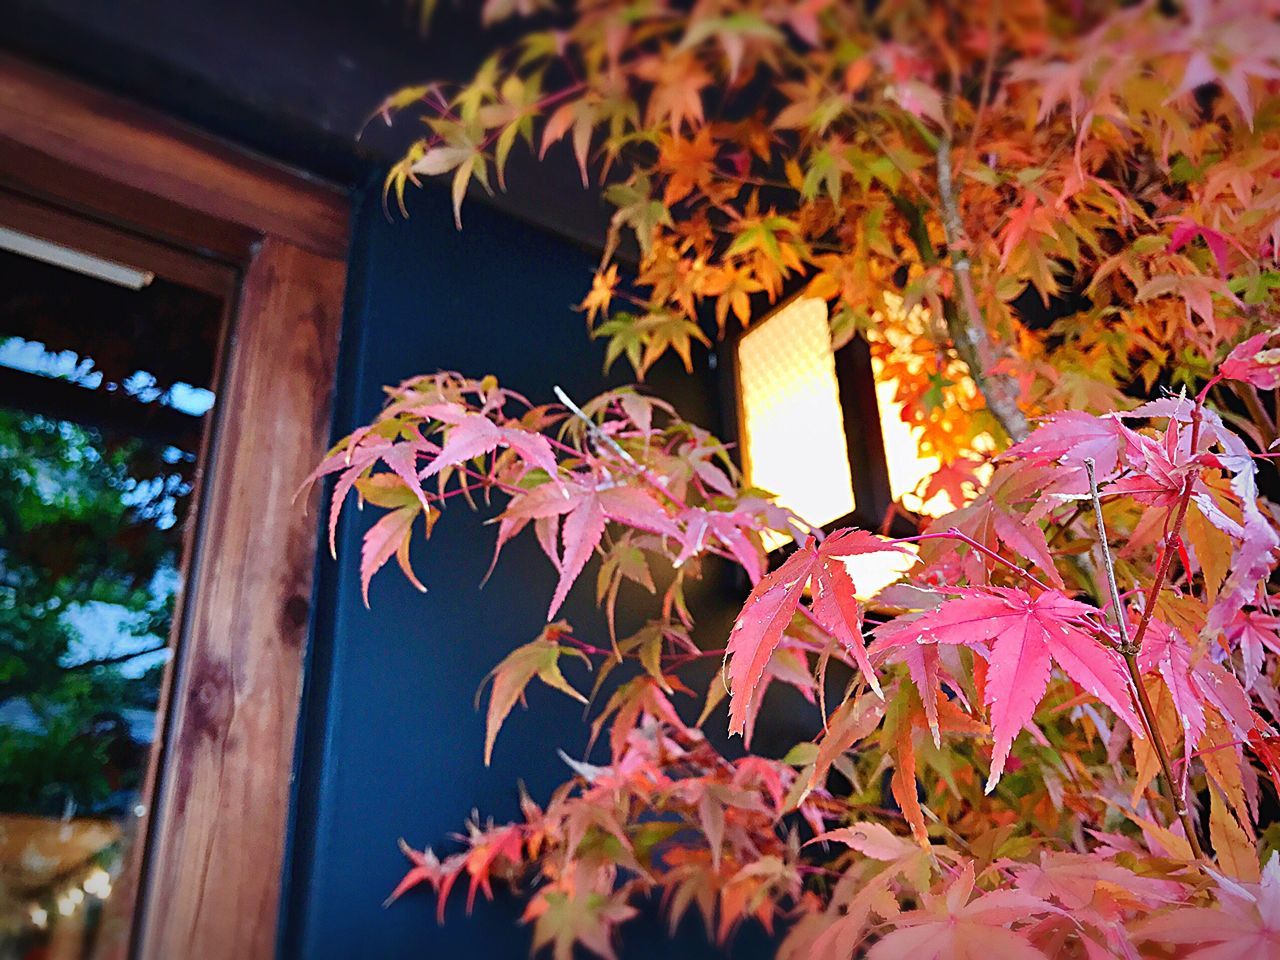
[
  {"x": 1057, "y": 226},
  {"x": 1024, "y": 208},
  {"x": 1028, "y": 754}
]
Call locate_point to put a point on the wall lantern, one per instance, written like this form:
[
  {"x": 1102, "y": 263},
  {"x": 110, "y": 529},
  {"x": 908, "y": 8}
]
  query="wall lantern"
[{"x": 818, "y": 429}]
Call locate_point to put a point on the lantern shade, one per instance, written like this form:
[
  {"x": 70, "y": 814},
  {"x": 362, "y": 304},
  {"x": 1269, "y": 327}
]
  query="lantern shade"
[
  {"x": 819, "y": 428},
  {"x": 793, "y": 434}
]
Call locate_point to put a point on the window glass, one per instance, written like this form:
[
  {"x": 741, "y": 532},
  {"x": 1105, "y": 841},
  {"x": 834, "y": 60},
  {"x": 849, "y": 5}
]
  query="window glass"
[{"x": 104, "y": 390}]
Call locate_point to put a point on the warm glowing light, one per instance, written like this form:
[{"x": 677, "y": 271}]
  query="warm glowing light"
[
  {"x": 75, "y": 895},
  {"x": 872, "y": 572},
  {"x": 794, "y": 442},
  {"x": 66, "y": 906},
  {"x": 908, "y": 467},
  {"x": 98, "y": 883},
  {"x": 39, "y": 917}
]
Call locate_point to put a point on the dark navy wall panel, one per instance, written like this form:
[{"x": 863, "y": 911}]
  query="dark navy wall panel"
[{"x": 391, "y": 741}]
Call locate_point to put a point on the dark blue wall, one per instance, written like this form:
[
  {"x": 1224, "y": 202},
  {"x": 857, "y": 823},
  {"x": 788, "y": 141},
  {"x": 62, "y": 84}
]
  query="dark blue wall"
[{"x": 391, "y": 742}]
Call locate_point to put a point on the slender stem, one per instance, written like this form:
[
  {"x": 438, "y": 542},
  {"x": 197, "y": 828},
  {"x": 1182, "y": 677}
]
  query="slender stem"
[
  {"x": 988, "y": 73},
  {"x": 589, "y": 648},
  {"x": 954, "y": 534},
  {"x": 680, "y": 659},
  {"x": 1129, "y": 649},
  {"x": 1166, "y": 559},
  {"x": 1065, "y": 525},
  {"x": 1162, "y": 754},
  {"x": 1122, "y": 628},
  {"x": 640, "y": 470},
  {"x": 593, "y": 428}
]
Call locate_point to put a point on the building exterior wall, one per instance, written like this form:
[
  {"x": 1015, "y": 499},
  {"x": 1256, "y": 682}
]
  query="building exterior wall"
[{"x": 391, "y": 743}]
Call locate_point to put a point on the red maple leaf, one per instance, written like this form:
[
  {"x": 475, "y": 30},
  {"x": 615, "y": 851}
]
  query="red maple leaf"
[
  {"x": 1067, "y": 440},
  {"x": 1254, "y": 633},
  {"x": 1020, "y": 636},
  {"x": 1158, "y": 469},
  {"x": 1251, "y": 362},
  {"x": 775, "y": 600},
  {"x": 427, "y": 868},
  {"x": 1166, "y": 652},
  {"x": 584, "y": 506},
  {"x": 1216, "y": 241},
  {"x": 1245, "y": 926}
]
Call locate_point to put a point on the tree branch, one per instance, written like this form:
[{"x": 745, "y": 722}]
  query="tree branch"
[
  {"x": 1129, "y": 650},
  {"x": 963, "y": 318},
  {"x": 1257, "y": 412},
  {"x": 965, "y": 323},
  {"x": 115, "y": 660}
]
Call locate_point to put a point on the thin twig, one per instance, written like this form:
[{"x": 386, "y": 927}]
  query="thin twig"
[
  {"x": 1129, "y": 649},
  {"x": 600, "y": 436},
  {"x": 1166, "y": 559},
  {"x": 1122, "y": 628},
  {"x": 1065, "y": 525},
  {"x": 988, "y": 74},
  {"x": 1261, "y": 418},
  {"x": 954, "y": 534},
  {"x": 592, "y": 427}
]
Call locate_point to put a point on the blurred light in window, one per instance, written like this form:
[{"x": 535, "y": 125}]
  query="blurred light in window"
[{"x": 909, "y": 469}]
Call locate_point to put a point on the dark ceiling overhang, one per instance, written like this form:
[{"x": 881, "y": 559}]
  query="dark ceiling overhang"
[{"x": 292, "y": 80}]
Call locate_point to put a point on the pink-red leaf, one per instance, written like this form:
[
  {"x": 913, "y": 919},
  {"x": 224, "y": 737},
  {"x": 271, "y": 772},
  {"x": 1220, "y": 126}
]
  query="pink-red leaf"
[
  {"x": 582, "y": 530},
  {"x": 955, "y": 924},
  {"x": 774, "y": 601},
  {"x": 473, "y": 436},
  {"x": 1020, "y": 636},
  {"x": 1067, "y": 440},
  {"x": 759, "y": 629},
  {"x": 1251, "y": 362},
  {"x": 837, "y": 610},
  {"x": 384, "y": 539}
]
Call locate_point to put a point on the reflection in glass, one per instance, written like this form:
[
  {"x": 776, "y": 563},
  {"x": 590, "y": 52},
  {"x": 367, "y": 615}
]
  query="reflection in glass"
[{"x": 102, "y": 394}]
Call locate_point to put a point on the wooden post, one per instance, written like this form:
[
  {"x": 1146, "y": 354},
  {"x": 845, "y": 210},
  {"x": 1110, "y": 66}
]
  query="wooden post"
[{"x": 218, "y": 834}]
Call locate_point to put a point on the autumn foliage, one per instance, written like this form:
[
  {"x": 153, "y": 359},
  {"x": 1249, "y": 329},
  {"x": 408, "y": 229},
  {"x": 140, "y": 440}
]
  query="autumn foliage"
[{"x": 1056, "y": 734}]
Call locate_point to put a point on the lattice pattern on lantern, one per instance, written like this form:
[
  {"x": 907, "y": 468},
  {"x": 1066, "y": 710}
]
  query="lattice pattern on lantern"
[{"x": 793, "y": 434}]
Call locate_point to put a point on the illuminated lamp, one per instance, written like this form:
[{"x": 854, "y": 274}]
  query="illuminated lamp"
[{"x": 819, "y": 431}]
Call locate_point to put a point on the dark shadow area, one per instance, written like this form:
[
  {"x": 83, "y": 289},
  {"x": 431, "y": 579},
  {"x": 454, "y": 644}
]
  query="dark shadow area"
[{"x": 392, "y": 743}]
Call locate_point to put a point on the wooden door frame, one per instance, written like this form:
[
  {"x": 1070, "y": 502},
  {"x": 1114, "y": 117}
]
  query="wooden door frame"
[{"x": 217, "y": 834}]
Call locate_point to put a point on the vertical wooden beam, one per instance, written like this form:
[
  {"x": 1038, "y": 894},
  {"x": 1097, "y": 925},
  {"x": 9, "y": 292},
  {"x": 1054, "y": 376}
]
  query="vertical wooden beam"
[{"x": 218, "y": 833}]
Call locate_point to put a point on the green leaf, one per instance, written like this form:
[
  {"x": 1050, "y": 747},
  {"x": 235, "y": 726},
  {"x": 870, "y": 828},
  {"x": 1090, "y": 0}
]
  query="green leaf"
[
  {"x": 539, "y": 658},
  {"x": 801, "y": 755}
]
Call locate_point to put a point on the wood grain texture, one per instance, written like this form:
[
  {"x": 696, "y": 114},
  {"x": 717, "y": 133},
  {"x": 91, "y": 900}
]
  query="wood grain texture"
[
  {"x": 107, "y": 137},
  {"x": 100, "y": 199},
  {"x": 218, "y": 833}
]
